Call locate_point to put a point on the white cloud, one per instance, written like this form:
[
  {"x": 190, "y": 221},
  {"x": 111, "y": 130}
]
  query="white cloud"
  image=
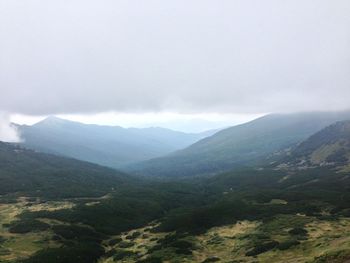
[{"x": 8, "y": 133}]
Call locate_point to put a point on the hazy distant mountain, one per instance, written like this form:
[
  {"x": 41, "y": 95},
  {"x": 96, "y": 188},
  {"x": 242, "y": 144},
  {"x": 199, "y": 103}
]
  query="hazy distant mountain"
[
  {"x": 240, "y": 145},
  {"x": 106, "y": 145},
  {"x": 328, "y": 147},
  {"x": 38, "y": 174}
]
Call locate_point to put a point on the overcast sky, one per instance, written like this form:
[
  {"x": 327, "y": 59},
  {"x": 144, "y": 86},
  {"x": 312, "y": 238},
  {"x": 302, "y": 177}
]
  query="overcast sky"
[{"x": 185, "y": 57}]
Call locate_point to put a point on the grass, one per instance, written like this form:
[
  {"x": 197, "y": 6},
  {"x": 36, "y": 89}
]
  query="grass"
[
  {"x": 323, "y": 240},
  {"x": 323, "y": 237},
  {"x": 224, "y": 242},
  {"x": 140, "y": 243},
  {"x": 19, "y": 246}
]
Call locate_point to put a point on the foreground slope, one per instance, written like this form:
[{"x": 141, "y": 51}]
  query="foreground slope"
[
  {"x": 38, "y": 174},
  {"x": 105, "y": 145},
  {"x": 239, "y": 145}
]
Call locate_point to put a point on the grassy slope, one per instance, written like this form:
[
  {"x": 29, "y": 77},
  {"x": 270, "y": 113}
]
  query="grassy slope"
[
  {"x": 205, "y": 218},
  {"x": 22, "y": 245}
]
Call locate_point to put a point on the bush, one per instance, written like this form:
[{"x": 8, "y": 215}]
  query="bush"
[
  {"x": 211, "y": 259},
  {"x": 79, "y": 253},
  {"x": 79, "y": 233},
  {"x": 2, "y": 239},
  {"x": 264, "y": 247},
  {"x": 333, "y": 257},
  {"x": 26, "y": 226},
  {"x": 135, "y": 234},
  {"x": 125, "y": 244},
  {"x": 110, "y": 253},
  {"x": 288, "y": 244},
  {"x": 298, "y": 231},
  {"x": 115, "y": 241},
  {"x": 183, "y": 251},
  {"x": 121, "y": 254},
  {"x": 150, "y": 260},
  {"x": 182, "y": 244}
]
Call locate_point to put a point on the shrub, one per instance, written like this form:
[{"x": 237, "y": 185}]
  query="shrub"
[
  {"x": 121, "y": 254},
  {"x": 2, "y": 239},
  {"x": 333, "y": 257},
  {"x": 125, "y": 244},
  {"x": 288, "y": 244},
  {"x": 298, "y": 231},
  {"x": 261, "y": 248},
  {"x": 26, "y": 226},
  {"x": 183, "y": 251},
  {"x": 77, "y": 233},
  {"x": 135, "y": 234},
  {"x": 110, "y": 253},
  {"x": 211, "y": 259},
  {"x": 114, "y": 241},
  {"x": 78, "y": 253},
  {"x": 151, "y": 259}
]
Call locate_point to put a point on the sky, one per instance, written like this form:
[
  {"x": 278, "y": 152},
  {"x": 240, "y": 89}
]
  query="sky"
[{"x": 156, "y": 59}]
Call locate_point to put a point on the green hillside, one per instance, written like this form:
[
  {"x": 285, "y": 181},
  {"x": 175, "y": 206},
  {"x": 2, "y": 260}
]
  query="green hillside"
[
  {"x": 30, "y": 173},
  {"x": 239, "y": 145}
]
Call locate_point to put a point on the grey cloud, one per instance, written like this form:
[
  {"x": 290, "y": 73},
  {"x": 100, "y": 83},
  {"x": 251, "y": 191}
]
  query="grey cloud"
[{"x": 239, "y": 56}]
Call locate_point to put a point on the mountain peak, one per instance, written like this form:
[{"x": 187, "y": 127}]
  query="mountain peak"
[{"x": 51, "y": 120}]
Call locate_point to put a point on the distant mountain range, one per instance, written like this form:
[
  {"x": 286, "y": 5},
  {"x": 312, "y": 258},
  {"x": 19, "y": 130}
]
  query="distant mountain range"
[
  {"x": 111, "y": 146},
  {"x": 239, "y": 145}
]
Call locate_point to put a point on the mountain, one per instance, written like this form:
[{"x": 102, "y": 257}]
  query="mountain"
[
  {"x": 328, "y": 147},
  {"x": 239, "y": 145},
  {"x": 111, "y": 146},
  {"x": 37, "y": 174},
  {"x": 252, "y": 214}
]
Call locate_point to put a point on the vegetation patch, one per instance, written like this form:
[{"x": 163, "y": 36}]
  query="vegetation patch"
[
  {"x": 333, "y": 257},
  {"x": 26, "y": 226},
  {"x": 261, "y": 248},
  {"x": 78, "y": 253}
]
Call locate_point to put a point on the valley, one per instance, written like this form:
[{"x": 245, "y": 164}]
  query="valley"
[
  {"x": 178, "y": 131},
  {"x": 288, "y": 209}
]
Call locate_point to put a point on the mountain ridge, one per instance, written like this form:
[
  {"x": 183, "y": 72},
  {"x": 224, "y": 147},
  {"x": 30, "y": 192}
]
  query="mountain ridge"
[
  {"x": 239, "y": 145},
  {"x": 33, "y": 173},
  {"x": 111, "y": 146}
]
